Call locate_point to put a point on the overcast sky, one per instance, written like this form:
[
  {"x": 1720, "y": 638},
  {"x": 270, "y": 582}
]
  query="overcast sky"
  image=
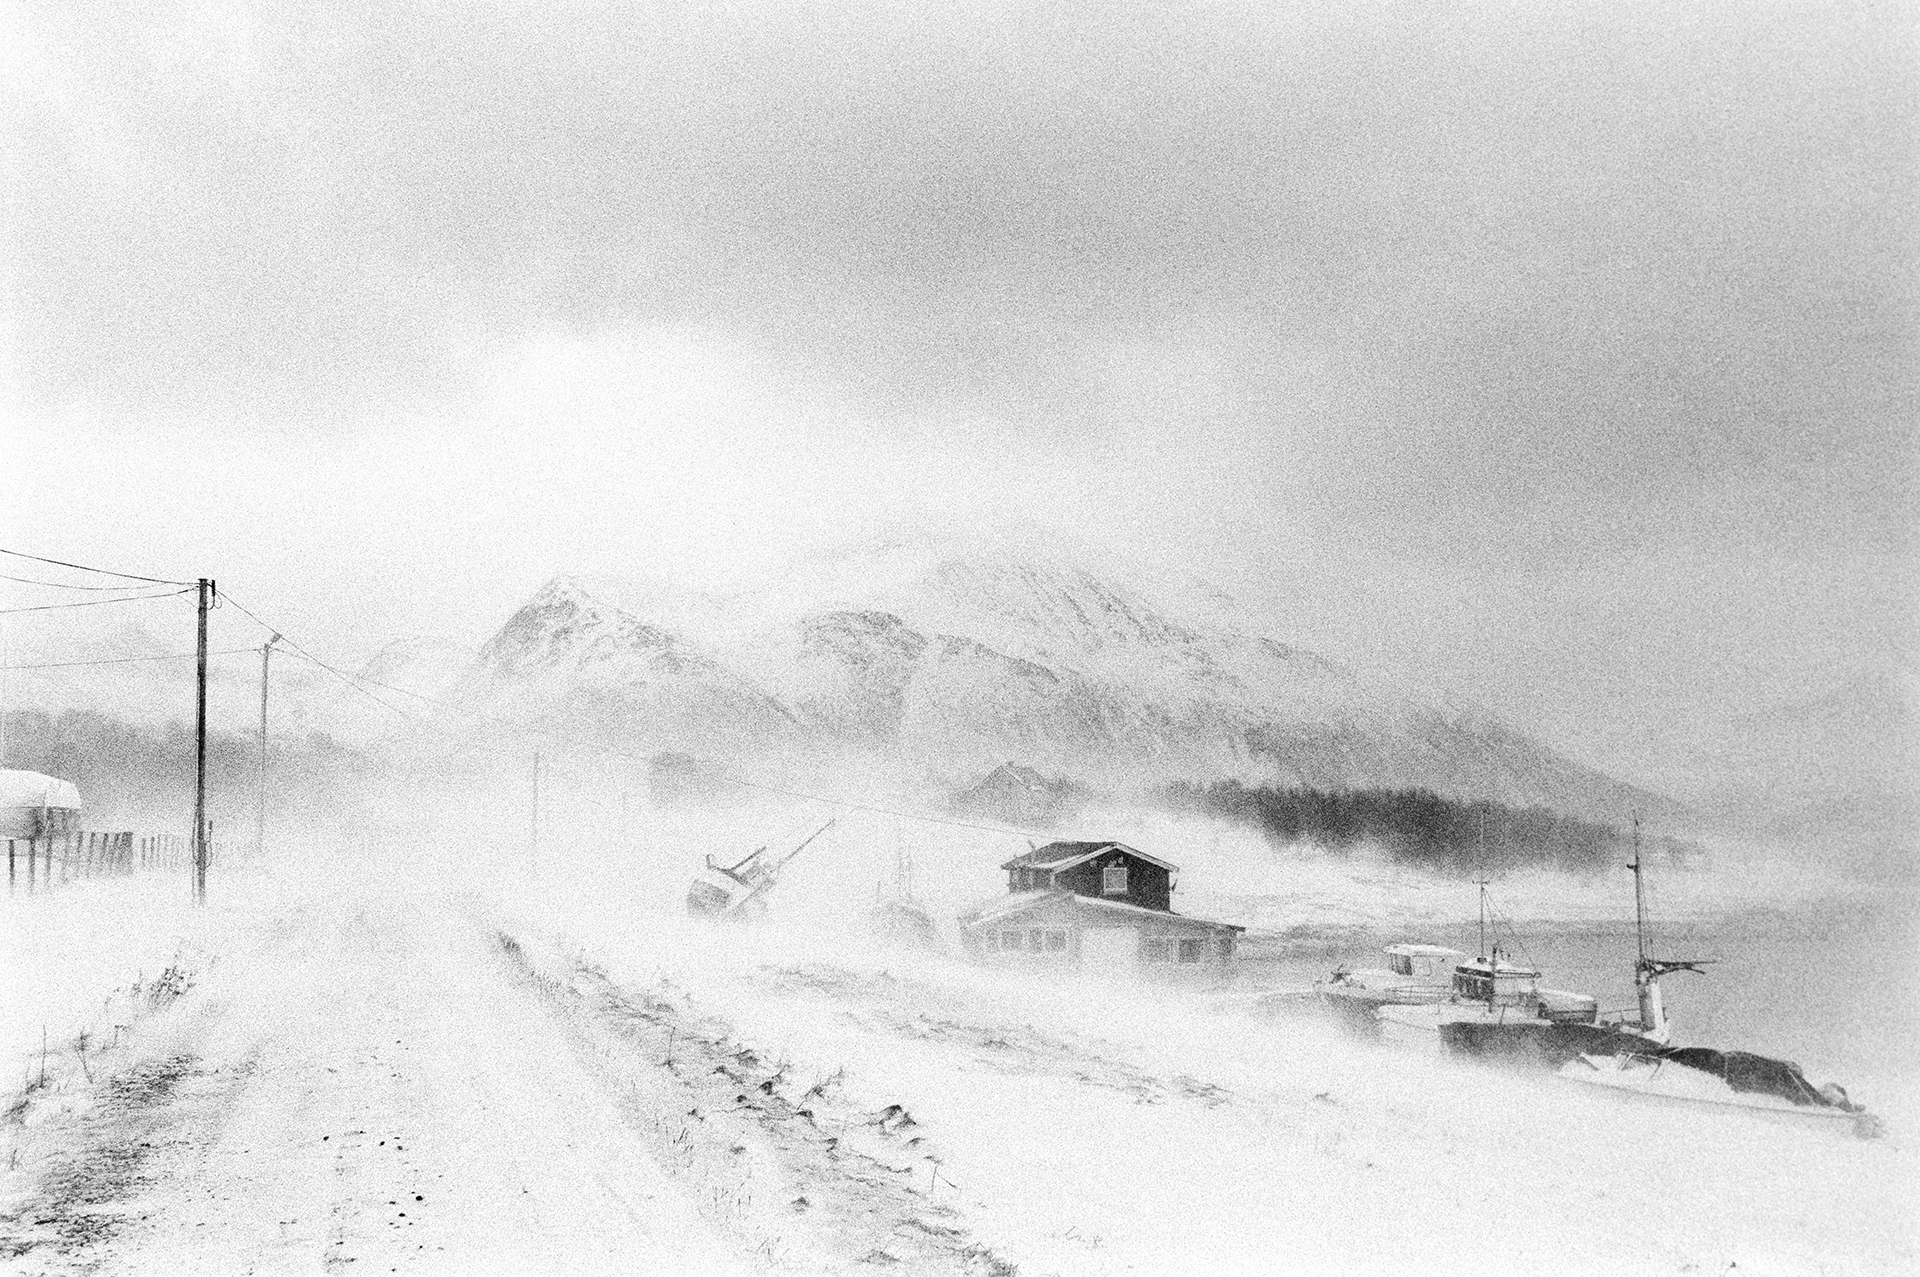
[{"x": 1561, "y": 355}]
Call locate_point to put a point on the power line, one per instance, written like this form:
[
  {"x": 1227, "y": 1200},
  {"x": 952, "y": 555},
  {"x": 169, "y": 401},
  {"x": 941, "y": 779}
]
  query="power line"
[
  {"x": 354, "y": 681},
  {"x": 61, "y": 585},
  {"x": 348, "y": 680},
  {"x": 81, "y": 567},
  {"x": 305, "y": 655},
  {"x": 878, "y": 811},
  {"x": 132, "y": 598},
  {"x": 124, "y": 660},
  {"x": 418, "y": 696}
]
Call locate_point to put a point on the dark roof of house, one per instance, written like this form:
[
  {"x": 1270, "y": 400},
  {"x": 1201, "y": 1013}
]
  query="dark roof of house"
[
  {"x": 1021, "y": 901},
  {"x": 1058, "y": 855}
]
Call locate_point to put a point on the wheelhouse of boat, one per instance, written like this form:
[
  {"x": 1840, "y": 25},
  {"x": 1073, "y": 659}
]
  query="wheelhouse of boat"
[{"x": 1493, "y": 981}]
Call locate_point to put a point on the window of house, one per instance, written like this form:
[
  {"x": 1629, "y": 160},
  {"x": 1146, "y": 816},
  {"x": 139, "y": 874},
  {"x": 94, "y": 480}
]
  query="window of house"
[
  {"x": 1013, "y": 941},
  {"x": 1193, "y": 950},
  {"x": 1113, "y": 880},
  {"x": 990, "y": 941},
  {"x": 1154, "y": 949},
  {"x": 1056, "y": 942}
]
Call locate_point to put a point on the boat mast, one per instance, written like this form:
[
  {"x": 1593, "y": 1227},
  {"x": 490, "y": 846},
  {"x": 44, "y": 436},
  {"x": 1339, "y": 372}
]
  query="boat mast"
[
  {"x": 1639, "y": 898},
  {"x": 1647, "y": 971},
  {"x": 1481, "y": 858}
]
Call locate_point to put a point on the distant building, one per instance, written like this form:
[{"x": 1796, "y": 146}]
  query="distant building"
[
  {"x": 1101, "y": 908},
  {"x": 1011, "y": 792}
]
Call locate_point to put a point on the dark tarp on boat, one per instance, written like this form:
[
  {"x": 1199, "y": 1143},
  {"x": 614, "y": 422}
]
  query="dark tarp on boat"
[
  {"x": 1757, "y": 1075},
  {"x": 1536, "y": 1044}
]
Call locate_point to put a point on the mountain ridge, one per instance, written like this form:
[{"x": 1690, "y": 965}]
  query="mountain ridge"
[{"x": 955, "y": 663}]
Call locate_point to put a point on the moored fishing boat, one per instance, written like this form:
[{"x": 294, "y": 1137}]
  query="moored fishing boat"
[
  {"x": 1633, "y": 1056},
  {"x": 1415, "y": 974},
  {"x": 1488, "y": 990}
]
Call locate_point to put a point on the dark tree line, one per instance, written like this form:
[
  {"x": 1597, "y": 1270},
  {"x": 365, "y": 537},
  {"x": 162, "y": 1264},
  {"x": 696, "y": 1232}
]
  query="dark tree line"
[
  {"x": 129, "y": 772},
  {"x": 1416, "y": 827}
]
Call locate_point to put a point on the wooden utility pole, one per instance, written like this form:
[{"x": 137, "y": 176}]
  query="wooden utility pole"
[
  {"x": 260, "y": 827},
  {"x": 536, "y": 814},
  {"x": 200, "y": 752}
]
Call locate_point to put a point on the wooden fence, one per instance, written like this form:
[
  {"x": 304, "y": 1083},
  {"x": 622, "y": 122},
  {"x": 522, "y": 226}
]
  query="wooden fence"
[{"x": 40, "y": 864}]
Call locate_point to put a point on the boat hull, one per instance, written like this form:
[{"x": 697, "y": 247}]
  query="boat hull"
[
  {"x": 1662, "y": 1081},
  {"x": 1427, "y": 1027},
  {"x": 1535, "y": 1044}
]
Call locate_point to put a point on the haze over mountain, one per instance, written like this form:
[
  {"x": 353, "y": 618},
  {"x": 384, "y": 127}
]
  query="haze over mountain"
[
  {"x": 947, "y": 662},
  {"x": 1822, "y": 770}
]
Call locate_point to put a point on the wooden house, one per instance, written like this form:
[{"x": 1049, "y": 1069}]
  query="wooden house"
[{"x": 1101, "y": 908}]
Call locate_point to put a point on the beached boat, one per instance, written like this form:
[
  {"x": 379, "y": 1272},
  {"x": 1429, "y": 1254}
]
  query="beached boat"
[
  {"x": 1700, "y": 1076},
  {"x": 1485, "y": 990},
  {"x": 1488, "y": 990},
  {"x": 739, "y": 890},
  {"x": 1415, "y": 974},
  {"x": 1632, "y": 1056}
]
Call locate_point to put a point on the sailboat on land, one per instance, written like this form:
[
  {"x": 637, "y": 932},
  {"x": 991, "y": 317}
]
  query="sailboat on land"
[
  {"x": 738, "y": 891},
  {"x": 899, "y": 918}
]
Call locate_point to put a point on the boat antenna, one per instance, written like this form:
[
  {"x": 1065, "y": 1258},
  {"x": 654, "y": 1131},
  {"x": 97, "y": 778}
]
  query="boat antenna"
[
  {"x": 1639, "y": 896},
  {"x": 1480, "y": 863}
]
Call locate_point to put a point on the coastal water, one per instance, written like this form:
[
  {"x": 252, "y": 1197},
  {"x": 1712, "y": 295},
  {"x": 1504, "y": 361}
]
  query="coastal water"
[{"x": 1833, "y": 986}]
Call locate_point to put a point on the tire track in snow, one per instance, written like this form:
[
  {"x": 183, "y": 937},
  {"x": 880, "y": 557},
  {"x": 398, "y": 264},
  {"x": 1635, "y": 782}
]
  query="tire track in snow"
[
  {"x": 805, "y": 1180},
  {"x": 371, "y": 1090},
  {"x": 901, "y": 1008}
]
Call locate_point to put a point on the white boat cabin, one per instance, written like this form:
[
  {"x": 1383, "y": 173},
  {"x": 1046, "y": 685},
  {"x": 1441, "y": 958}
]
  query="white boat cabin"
[{"x": 1422, "y": 963}]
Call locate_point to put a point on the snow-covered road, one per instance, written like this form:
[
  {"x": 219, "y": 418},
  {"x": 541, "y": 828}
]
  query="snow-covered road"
[{"x": 371, "y": 1087}]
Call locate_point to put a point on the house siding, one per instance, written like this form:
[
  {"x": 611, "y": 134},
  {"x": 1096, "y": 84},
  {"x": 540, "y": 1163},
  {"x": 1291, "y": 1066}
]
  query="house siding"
[
  {"x": 1148, "y": 885},
  {"x": 1214, "y": 945}
]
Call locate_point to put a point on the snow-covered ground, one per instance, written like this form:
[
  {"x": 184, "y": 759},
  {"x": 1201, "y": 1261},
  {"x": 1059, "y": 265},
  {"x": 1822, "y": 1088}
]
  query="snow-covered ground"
[{"x": 433, "y": 1060}]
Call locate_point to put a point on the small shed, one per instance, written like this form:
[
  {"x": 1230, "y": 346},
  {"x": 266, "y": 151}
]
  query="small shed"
[{"x": 33, "y": 805}]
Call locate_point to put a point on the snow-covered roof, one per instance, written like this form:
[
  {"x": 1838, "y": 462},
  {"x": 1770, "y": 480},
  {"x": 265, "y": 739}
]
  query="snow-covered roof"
[
  {"x": 1017, "y": 902},
  {"x": 1020, "y": 902},
  {"x": 35, "y": 790},
  {"x": 1056, "y": 856},
  {"x": 1422, "y": 951}
]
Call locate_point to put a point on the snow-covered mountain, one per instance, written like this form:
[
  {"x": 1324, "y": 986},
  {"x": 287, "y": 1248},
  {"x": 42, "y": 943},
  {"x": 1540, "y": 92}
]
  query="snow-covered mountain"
[{"x": 954, "y": 662}]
